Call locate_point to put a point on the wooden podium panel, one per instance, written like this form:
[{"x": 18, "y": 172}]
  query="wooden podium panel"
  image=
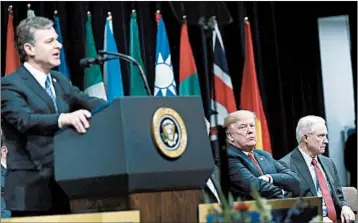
[
  {"x": 168, "y": 206},
  {"x": 120, "y": 216},
  {"x": 275, "y": 204},
  {"x": 161, "y": 206}
]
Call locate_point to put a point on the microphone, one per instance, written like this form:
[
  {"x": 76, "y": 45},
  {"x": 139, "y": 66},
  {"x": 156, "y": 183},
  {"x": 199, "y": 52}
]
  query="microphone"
[
  {"x": 128, "y": 59},
  {"x": 87, "y": 62}
]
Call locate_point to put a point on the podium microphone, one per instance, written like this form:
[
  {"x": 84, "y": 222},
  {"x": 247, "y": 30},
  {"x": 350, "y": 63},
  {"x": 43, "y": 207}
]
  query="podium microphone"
[
  {"x": 87, "y": 62},
  {"x": 121, "y": 56}
]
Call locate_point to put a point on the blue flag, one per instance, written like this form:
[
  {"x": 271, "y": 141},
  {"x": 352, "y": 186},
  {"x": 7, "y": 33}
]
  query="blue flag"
[
  {"x": 112, "y": 68},
  {"x": 164, "y": 84},
  {"x": 63, "y": 66}
]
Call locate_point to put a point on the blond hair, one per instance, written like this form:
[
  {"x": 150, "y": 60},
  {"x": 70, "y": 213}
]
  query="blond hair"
[{"x": 234, "y": 117}]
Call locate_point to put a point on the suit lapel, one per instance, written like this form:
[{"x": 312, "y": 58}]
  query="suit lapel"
[
  {"x": 245, "y": 160},
  {"x": 250, "y": 164},
  {"x": 261, "y": 160},
  {"x": 303, "y": 170},
  {"x": 32, "y": 83}
]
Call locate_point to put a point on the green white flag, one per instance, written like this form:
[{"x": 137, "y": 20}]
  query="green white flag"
[
  {"x": 93, "y": 81},
  {"x": 136, "y": 82}
]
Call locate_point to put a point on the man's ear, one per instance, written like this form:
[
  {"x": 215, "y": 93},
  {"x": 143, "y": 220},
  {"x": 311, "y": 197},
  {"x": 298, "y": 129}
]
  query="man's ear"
[
  {"x": 305, "y": 138},
  {"x": 229, "y": 136},
  {"x": 29, "y": 49}
]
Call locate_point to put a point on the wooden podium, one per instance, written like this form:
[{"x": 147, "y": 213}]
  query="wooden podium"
[
  {"x": 125, "y": 160},
  {"x": 121, "y": 216}
]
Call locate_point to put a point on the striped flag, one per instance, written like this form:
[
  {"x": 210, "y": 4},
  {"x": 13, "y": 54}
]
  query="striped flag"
[
  {"x": 224, "y": 101},
  {"x": 93, "y": 82},
  {"x": 164, "y": 84},
  {"x": 250, "y": 94},
  {"x": 112, "y": 68},
  {"x": 12, "y": 58},
  {"x": 63, "y": 66}
]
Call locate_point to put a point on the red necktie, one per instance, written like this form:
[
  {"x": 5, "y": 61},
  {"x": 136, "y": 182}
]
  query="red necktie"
[
  {"x": 252, "y": 157},
  {"x": 325, "y": 192}
]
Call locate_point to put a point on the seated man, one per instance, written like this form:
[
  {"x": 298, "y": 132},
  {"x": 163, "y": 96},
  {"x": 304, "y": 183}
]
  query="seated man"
[
  {"x": 247, "y": 166},
  {"x": 318, "y": 174}
]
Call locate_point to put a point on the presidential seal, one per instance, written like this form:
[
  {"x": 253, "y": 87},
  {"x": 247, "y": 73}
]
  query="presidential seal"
[{"x": 169, "y": 132}]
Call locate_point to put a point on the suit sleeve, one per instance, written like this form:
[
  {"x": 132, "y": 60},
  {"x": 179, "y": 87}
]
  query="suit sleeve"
[
  {"x": 286, "y": 178},
  {"x": 15, "y": 110},
  {"x": 338, "y": 187},
  {"x": 242, "y": 180},
  {"x": 83, "y": 101}
]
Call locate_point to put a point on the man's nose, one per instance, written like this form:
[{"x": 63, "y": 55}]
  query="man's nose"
[
  {"x": 250, "y": 129},
  {"x": 59, "y": 45}
]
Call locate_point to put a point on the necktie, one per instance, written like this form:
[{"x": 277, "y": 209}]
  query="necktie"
[
  {"x": 325, "y": 192},
  {"x": 252, "y": 157},
  {"x": 49, "y": 92}
]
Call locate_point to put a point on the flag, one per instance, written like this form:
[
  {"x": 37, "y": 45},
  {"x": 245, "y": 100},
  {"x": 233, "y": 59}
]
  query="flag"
[
  {"x": 188, "y": 75},
  {"x": 30, "y": 13},
  {"x": 112, "y": 68},
  {"x": 63, "y": 66},
  {"x": 164, "y": 84},
  {"x": 224, "y": 101},
  {"x": 12, "y": 58},
  {"x": 93, "y": 82},
  {"x": 136, "y": 82},
  {"x": 250, "y": 94}
]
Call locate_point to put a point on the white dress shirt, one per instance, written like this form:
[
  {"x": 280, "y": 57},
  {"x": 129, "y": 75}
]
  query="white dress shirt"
[
  {"x": 308, "y": 160},
  {"x": 40, "y": 77}
]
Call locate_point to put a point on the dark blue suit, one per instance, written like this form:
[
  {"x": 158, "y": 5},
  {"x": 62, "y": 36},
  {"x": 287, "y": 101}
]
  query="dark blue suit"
[
  {"x": 29, "y": 123},
  {"x": 4, "y": 212},
  {"x": 243, "y": 173}
]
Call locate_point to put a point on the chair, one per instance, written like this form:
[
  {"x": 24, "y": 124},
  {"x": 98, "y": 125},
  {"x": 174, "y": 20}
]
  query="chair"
[{"x": 350, "y": 194}]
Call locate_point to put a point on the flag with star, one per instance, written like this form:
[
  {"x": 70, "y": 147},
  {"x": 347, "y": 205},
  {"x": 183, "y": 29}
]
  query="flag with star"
[{"x": 164, "y": 84}]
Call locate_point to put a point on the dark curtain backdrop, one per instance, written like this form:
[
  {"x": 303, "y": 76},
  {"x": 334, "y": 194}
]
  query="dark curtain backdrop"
[{"x": 285, "y": 37}]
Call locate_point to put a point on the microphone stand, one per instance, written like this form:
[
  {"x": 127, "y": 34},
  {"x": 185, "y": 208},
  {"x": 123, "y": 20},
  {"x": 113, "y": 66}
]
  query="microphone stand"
[{"x": 130, "y": 60}]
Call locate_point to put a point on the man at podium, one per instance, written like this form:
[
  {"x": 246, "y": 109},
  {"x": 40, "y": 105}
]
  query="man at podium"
[
  {"x": 249, "y": 167},
  {"x": 35, "y": 103}
]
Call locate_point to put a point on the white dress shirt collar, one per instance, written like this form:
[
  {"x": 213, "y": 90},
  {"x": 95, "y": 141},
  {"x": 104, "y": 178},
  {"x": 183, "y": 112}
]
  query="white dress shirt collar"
[
  {"x": 3, "y": 164},
  {"x": 38, "y": 75},
  {"x": 307, "y": 158}
]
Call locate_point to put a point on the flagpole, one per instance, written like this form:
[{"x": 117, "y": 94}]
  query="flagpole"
[
  {"x": 207, "y": 28},
  {"x": 205, "y": 33}
]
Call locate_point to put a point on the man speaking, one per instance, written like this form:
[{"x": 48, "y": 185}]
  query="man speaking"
[{"x": 35, "y": 103}]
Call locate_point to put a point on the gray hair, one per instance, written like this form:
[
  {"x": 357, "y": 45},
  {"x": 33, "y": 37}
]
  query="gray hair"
[
  {"x": 305, "y": 125},
  {"x": 25, "y": 32},
  {"x": 236, "y": 116}
]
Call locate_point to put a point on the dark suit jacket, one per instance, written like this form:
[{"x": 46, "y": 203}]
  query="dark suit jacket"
[
  {"x": 243, "y": 173},
  {"x": 295, "y": 161},
  {"x": 29, "y": 122}
]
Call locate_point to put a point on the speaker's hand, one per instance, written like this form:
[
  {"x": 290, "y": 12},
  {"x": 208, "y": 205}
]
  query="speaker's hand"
[{"x": 77, "y": 119}]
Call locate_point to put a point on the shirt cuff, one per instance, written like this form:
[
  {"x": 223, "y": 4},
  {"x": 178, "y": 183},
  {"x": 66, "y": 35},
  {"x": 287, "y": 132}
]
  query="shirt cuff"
[{"x": 58, "y": 121}]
